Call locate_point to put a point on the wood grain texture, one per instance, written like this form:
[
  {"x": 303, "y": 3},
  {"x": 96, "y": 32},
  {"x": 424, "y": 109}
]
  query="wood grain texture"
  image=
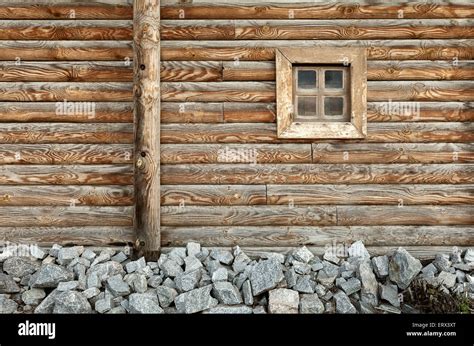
[
  {"x": 39, "y": 91},
  {"x": 66, "y": 196},
  {"x": 315, "y": 11},
  {"x": 428, "y": 153},
  {"x": 65, "y": 30},
  {"x": 247, "y": 215},
  {"x": 317, "y": 174},
  {"x": 407, "y": 215},
  {"x": 294, "y": 236},
  {"x": 147, "y": 89},
  {"x": 400, "y": 195},
  {"x": 213, "y": 195},
  {"x": 65, "y": 216},
  {"x": 191, "y": 71},
  {"x": 237, "y": 153},
  {"x": 64, "y": 154},
  {"x": 104, "y": 112},
  {"x": 35, "y": 133},
  {"x": 66, "y": 50},
  {"x": 63, "y": 11},
  {"x": 266, "y": 133},
  {"x": 191, "y": 112},
  {"x": 66, "y": 175},
  {"x": 66, "y": 72},
  {"x": 249, "y": 112}
]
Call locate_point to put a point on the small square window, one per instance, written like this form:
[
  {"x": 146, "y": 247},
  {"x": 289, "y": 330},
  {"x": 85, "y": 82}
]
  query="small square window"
[
  {"x": 306, "y": 106},
  {"x": 321, "y": 93},
  {"x": 307, "y": 79},
  {"x": 333, "y": 79},
  {"x": 333, "y": 106}
]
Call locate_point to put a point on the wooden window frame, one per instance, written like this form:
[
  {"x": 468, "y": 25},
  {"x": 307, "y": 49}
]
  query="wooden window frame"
[{"x": 288, "y": 126}]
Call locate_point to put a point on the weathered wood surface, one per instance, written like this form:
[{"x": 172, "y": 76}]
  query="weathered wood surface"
[
  {"x": 279, "y": 236},
  {"x": 32, "y": 133},
  {"x": 67, "y": 11},
  {"x": 257, "y": 215},
  {"x": 66, "y": 50},
  {"x": 242, "y": 112},
  {"x": 76, "y": 71},
  {"x": 245, "y": 52},
  {"x": 237, "y": 153},
  {"x": 80, "y": 235},
  {"x": 315, "y": 11},
  {"x": 63, "y": 154},
  {"x": 66, "y": 195},
  {"x": 66, "y": 30},
  {"x": 66, "y": 175},
  {"x": 65, "y": 216},
  {"x": 372, "y": 29},
  {"x": 213, "y": 195},
  {"x": 317, "y": 174},
  {"x": 201, "y": 71},
  {"x": 39, "y": 91},
  {"x": 147, "y": 88},
  {"x": 104, "y": 112},
  {"x": 400, "y": 195},
  {"x": 393, "y": 153},
  {"x": 266, "y": 133}
]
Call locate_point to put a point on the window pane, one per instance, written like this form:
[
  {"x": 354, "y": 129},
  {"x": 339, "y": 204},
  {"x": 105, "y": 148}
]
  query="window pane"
[
  {"x": 333, "y": 79},
  {"x": 306, "y": 79},
  {"x": 333, "y": 105},
  {"x": 306, "y": 106}
]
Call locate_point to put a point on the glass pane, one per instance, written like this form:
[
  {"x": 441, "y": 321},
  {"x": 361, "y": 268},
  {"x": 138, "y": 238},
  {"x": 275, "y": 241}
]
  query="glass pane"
[
  {"x": 306, "y": 79},
  {"x": 333, "y": 79},
  {"x": 306, "y": 106},
  {"x": 333, "y": 105}
]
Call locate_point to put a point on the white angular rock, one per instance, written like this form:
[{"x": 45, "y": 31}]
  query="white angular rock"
[
  {"x": 166, "y": 295},
  {"x": 50, "y": 275},
  {"x": 310, "y": 304},
  {"x": 283, "y": 301},
  {"x": 469, "y": 255},
  {"x": 265, "y": 276},
  {"x": 144, "y": 303},
  {"x": 223, "y": 256},
  {"x": 192, "y": 249},
  {"x": 196, "y": 300},
  {"x": 226, "y": 293},
  {"x": 302, "y": 254},
  {"x": 403, "y": 268},
  {"x": 344, "y": 304},
  {"x": 357, "y": 249},
  {"x": 380, "y": 266},
  {"x": 33, "y": 296}
]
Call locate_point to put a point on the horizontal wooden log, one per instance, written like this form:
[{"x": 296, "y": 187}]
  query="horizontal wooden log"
[
  {"x": 425, "y": 111},
  {"x": 265, "y": 91},
  {"x": 66, "y": 50},
  {"x": 66, "y": 175},
  {"x": 65, "y": 216},
  {"x": 218, "y": 92},
  {"x": 315, "y": 11},
  {"x": 81, "y": 235},
  {"x": 317, "y": 174},
  {"x": 408, "y": 215},
  {"x": 380, "y": 52},
  {"x": 66, "y": 72},
  {"x": 238, "y": 153},
  {"x": 69, "y": 11},
  {"x": 65, "y": 133},
  {"x": 265, "y": 71},
  {"x": 420, "y": 252},
  {"x": 66, "y": 196},
  {"x": 241, "y": 112},
  {"x": 274, "y": 236},
  {"x": 190, "y": 112},
  {"x": 247, "y": 215},
  {"x": 65, "y": 154},
  {"x": 393, "y": 153},
  {"x": 266, "y": 133},
  {"x": 213, "y": 195},
  {"x": 66, "y": 30},
  {"x": 103, "y": 112},
  {"x": 38, "y": 91},
  {"x": 191, "y": 71},
  {"x": 400, "y": 195},
  {"x": 250, "y": 112}
]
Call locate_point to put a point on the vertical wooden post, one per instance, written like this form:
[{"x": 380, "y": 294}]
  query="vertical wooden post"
[{"x": 146, "y": 28}]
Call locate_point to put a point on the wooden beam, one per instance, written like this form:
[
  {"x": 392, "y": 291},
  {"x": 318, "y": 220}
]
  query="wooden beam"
[{"x": 147, "y": 115}]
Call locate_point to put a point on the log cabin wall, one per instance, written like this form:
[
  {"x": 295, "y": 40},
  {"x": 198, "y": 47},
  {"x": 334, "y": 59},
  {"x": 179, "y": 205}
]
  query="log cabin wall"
[
  {"x": 66, "y": 174},
  {"x": 226, "y": 177}
]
